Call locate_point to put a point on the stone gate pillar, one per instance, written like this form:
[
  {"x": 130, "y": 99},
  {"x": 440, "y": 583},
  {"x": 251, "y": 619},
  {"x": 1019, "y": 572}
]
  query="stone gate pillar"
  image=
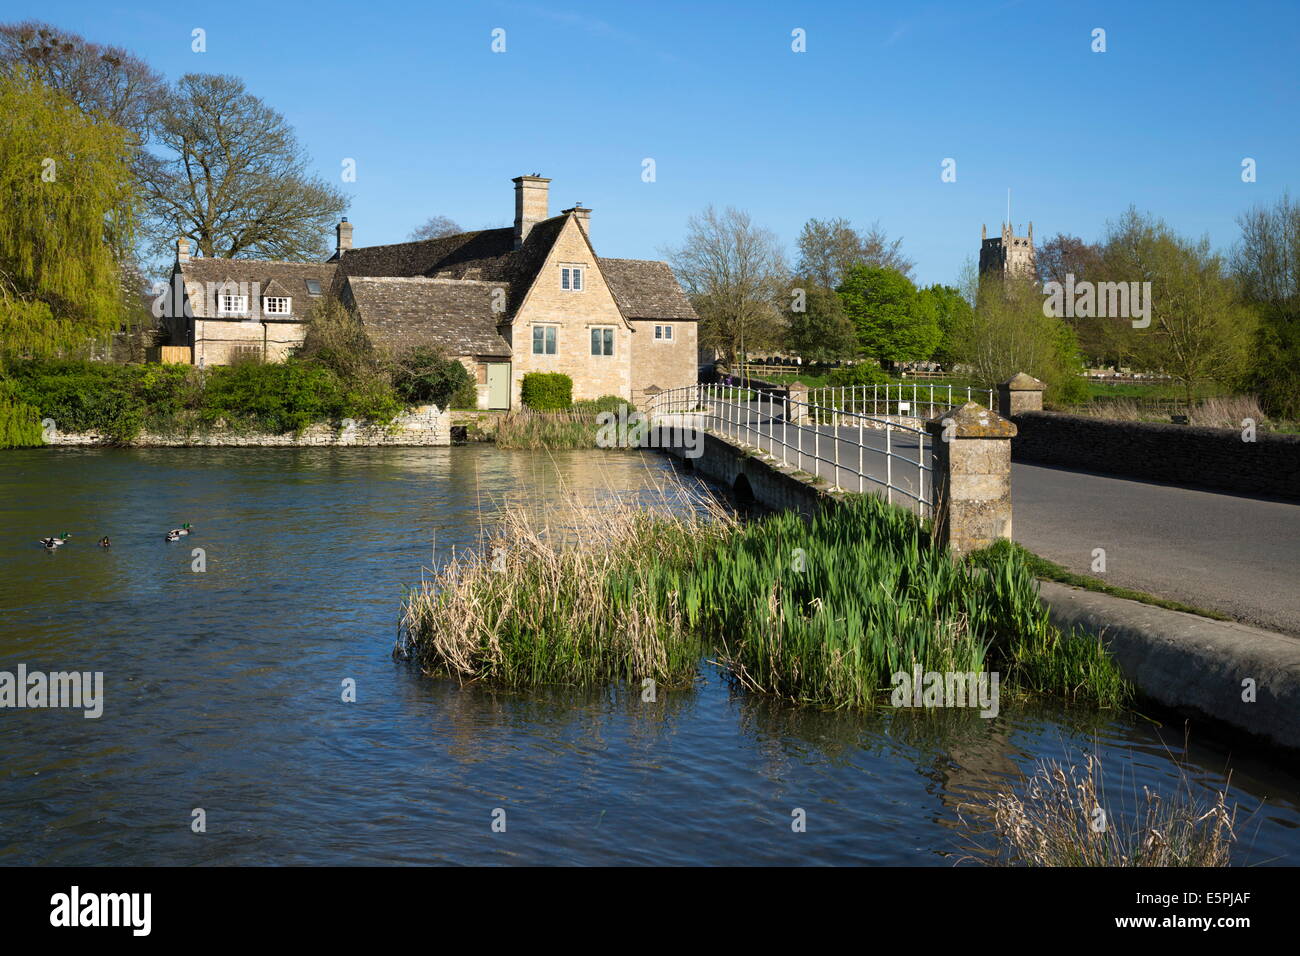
[
  {"x": 1020, "y": 393},
  {"x": 971, "y": 458},
  {"x": 796, "y": 392}
]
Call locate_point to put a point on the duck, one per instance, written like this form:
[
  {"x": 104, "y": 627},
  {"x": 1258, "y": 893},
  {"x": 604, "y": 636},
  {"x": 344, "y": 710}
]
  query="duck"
[
  {"x": 103, "y": 542},
  {"x": 183, "y": 529},
  {"x": 173, "y": 535},
  {"x": 56, "y": 542}
]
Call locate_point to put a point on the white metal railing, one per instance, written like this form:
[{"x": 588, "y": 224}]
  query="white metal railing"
[
  {"x": 843, "y": 445},
  {"x": 906, "y": 401}
]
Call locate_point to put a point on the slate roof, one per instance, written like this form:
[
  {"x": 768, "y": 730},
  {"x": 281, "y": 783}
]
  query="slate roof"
[
  {"x": 488, "y": 256},
  {"x": 646, "y": 289},
  {"x": 405, "y": 312},
  {"x": 290, "y": 276}
]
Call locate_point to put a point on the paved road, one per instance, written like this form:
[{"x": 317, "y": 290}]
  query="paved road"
[
  {"x": 1230, "y": 553},
  {"x": 1234, "y": 554}
]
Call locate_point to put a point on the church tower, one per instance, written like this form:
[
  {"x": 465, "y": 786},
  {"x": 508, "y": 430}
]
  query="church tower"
[{"x": 1007, "y": 254}]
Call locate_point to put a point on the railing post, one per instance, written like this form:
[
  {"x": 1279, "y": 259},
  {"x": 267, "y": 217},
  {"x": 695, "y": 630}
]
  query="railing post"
[
  {"x": 970, "y": 452},
  {"x": 861, "y": 478},
  {"x": 889, "y": 466}
]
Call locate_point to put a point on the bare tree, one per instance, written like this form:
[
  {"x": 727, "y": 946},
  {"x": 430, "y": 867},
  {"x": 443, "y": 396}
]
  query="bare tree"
[
  {"x": 735, "y": 273},
  {"x": 234, "y": 178},
  {"x": 435, "y": 227},
  {"x": 828, "y": 249},
  {"x": 104, "y": 80}
]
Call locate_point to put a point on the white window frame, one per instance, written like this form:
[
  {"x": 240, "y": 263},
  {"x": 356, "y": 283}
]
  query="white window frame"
[
  {"x": 225, "y": 304},
  {"x": 571, "y": 278},
  {"x": 664, "y": 334},
  {"x": 555, "y": 338},
  {"x": 610, "y": 339},
  {"x": 267, "y": 301}
]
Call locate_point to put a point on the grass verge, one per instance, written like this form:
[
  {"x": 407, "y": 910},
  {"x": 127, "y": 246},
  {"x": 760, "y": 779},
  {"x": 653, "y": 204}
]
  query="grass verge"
[{"x": 1050, "y": 571}]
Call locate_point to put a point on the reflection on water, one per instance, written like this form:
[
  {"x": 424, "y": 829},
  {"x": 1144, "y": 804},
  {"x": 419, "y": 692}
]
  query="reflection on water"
[{"x": 223, "y": 692}]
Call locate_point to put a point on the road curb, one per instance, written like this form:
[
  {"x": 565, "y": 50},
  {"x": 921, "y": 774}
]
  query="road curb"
[{"x": 1193, "y": 664}]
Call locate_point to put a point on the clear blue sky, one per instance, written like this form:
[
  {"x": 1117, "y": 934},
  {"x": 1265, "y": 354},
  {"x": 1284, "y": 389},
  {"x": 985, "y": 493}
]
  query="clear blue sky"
[{"x": 857, "y": 126}]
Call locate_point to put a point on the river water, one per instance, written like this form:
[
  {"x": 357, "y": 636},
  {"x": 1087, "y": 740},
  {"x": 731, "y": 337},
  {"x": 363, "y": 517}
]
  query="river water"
[{"x": 223, "y": 692}]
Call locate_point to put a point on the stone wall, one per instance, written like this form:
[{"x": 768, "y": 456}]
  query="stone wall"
[
  {"x": 1214, "y": 458},
  {"x": 425, "y": 425}
]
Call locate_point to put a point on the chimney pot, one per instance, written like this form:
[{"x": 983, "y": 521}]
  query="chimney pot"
[{"x": 343, "y": 234}]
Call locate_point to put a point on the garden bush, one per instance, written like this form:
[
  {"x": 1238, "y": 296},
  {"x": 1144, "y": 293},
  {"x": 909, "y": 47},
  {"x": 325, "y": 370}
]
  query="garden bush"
[
  {"x": 547, "y": 391},
  {"x": 426, "y": 375}
]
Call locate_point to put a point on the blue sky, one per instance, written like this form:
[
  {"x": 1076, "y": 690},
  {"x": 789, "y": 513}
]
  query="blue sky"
[{"x": 857, "y": 126}]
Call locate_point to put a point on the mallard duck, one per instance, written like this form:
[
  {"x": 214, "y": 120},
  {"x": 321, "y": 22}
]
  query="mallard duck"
[
  {"x": 103, "y": 542},
  {"x": 183, "y": 529},
  {"x": 173, "y": 535},
  {"x": 54, "y": 542}
]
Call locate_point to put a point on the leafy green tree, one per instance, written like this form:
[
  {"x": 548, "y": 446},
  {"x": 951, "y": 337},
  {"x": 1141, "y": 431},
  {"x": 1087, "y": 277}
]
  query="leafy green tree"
[
  {"x": 883, "y": 306},
  {"x": 1266, "y": 264},
  {"x": 1198, "y": 332},
  {"x": 68, "y": 198},
  {"x": 949, "y": 309},
  {"x": 1007, "y": 332},
  {"x": 820, "y": 331}
]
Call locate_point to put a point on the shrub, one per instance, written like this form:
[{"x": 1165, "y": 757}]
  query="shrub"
[
  {"x": 547, "y": 391},
  {"x": 864, "y": 373},
  {"x": 426, "y": 375},
  {"x": 606, "y": 403}
]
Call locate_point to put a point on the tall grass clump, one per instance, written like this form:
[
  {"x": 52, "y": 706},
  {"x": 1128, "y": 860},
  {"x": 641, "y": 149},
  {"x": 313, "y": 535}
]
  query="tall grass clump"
[
  {"x": 583, "y": 603},
  {"x": 1063, "y": 819},
  {"x": 822, "y": 612},
  {"x": 535, "y": 431}
]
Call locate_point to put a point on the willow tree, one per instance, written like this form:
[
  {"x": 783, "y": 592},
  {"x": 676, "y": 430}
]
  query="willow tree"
[{"x": 67, "y": 199}]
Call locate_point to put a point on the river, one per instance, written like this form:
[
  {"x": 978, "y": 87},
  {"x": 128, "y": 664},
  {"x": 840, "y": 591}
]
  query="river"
[{"x": 223, "y": 693}]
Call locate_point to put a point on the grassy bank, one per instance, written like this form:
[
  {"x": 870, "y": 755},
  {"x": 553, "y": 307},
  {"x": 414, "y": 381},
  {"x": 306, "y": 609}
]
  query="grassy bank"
[{"x": 821, "y": 613}]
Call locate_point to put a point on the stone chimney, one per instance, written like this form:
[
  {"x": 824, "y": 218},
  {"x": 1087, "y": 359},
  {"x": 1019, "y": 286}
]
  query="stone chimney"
[
  {"x": 182, "y": 249},
  {"x": 343, "y": 234},
  {"x": 531, "y": 204},
  {"x": 584, "y": 218}
]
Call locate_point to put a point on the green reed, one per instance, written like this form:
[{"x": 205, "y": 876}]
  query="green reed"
[{"x": 821, "y": 612}]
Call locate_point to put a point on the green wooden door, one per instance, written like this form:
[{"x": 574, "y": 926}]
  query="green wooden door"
[{"x": 498, "y": 380}]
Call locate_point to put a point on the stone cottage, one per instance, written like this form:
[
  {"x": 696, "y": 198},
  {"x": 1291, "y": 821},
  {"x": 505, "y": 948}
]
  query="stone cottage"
[{"x": 505, "y": 302}]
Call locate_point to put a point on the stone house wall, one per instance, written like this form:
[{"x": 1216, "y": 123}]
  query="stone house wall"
[
  {"x": 659, "y": 363},
  {"x": 574, "y": 314}
]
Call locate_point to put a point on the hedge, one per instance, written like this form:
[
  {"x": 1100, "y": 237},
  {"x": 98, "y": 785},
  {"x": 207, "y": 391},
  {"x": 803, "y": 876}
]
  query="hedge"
[{"x": 547, "y": 391}]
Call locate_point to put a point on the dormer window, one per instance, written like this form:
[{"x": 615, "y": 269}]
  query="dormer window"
[
  {"x": 276, "y": 305},
  {"x": 228, "y": 304},
  {"x": 571, "y": 278}
]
